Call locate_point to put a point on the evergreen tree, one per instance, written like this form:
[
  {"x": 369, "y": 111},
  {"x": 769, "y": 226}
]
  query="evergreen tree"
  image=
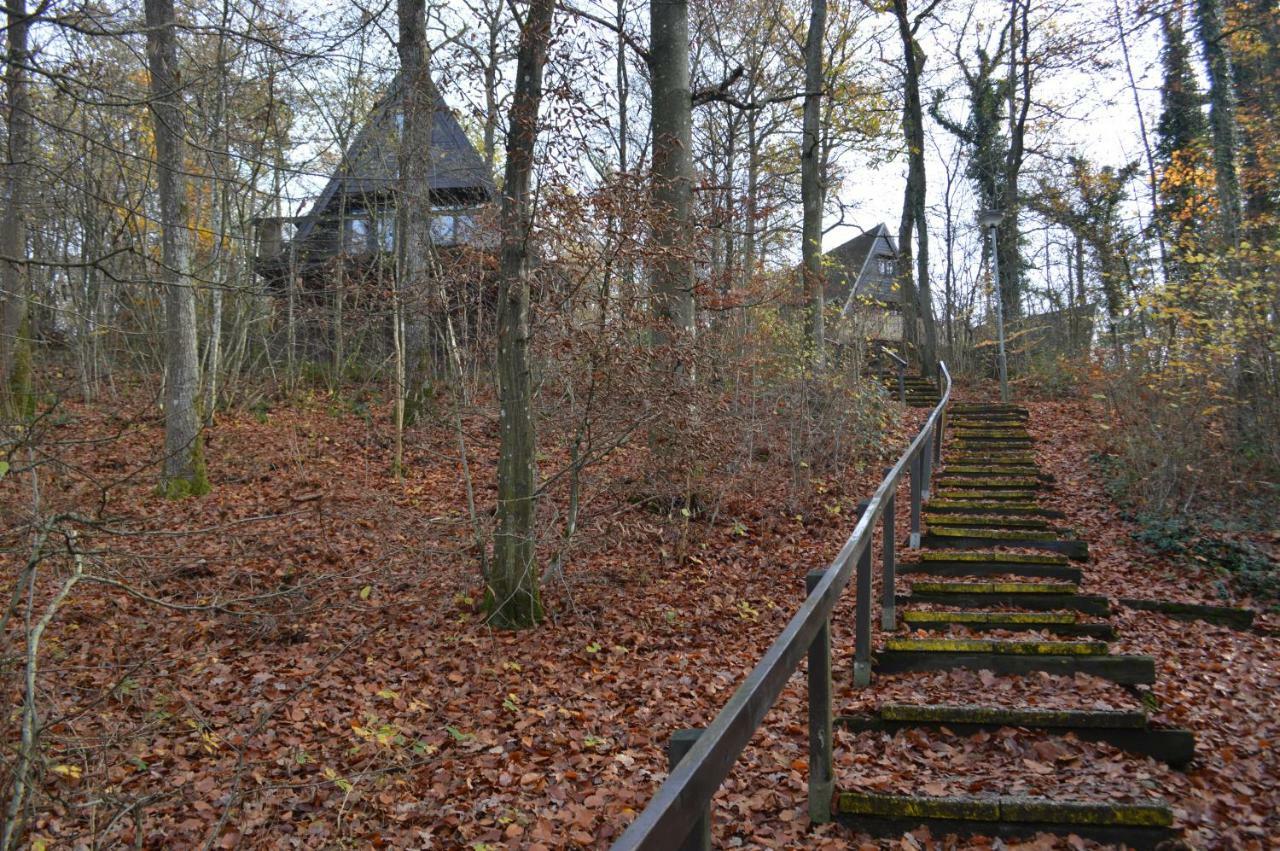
[{"x": 1182, "y": 148}]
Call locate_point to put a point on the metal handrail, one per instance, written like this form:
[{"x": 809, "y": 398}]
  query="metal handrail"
[
  {"x": 902, "y": 369},
  {"x": 678, "y": 814}
]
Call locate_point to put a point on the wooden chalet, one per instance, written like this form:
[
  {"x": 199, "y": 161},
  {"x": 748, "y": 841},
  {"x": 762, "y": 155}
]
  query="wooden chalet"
[
  {"x": 861, "y": 276},
  {"x": 353, "y": 221}
]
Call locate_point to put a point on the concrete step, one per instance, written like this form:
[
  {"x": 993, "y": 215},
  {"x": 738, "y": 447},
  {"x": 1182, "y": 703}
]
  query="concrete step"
[
  {"x": 1058, "y": 623},
  {"x": 1138, "y": 826},
  {"x": 1128, "y": 730},
  {"x": 983, "y": 521},
  {"x": 989, "y": 444},
  {"x": 991, "y": 568},
  {"x": 964, "y": 538},
  {"x": 988, "y": 482},
  {"x": 955, "y": 469},
  {"x": 1091, "y": 604},
  {"x": 1002, "y": 459},
  {"x": 1008, "y": 657},
  {"x": 998, "y": 646},
  {"x": 1005, "y": 508},
  {"x": 998, "y": 587},
  {"x": 1011, "y": 495}
]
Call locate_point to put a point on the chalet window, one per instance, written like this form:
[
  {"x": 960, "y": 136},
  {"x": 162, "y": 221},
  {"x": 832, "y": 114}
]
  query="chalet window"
[
  {"x": 385, "y": 232},
  {"x": 886, "y": 265},
  {"x": 442, "y": 228},
  {"x": 451, "y": 226},
  {"x": 356, "y": 237}
]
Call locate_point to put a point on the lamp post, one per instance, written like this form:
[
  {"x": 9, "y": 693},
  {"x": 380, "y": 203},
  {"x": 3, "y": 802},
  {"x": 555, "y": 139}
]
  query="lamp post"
[{"x": 990, "y": 219}]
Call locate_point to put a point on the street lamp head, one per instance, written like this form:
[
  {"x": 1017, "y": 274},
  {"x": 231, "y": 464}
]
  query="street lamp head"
[{"x": 990, "y": 218}]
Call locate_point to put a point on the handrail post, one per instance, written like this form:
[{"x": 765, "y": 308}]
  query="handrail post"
[
  {"x": 888, "y": 614},
  {"x": 916, "y": 486},
  {"x": 902, "y": 382},
  {"x": 937, "y": 440},
  {"x": 699, "y": 838},
  {"x": 862, "y": 614},
  {"x": 821, "y": 761},
  {"x": 926, "y": 464}
]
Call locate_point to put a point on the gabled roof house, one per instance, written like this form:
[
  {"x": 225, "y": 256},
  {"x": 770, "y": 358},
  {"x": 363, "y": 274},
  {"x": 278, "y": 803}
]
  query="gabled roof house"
[{"x": 354, "y": 216}]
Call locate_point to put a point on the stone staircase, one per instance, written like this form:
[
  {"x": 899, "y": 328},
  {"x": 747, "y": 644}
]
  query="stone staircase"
[{"x": 995, "y": 564}]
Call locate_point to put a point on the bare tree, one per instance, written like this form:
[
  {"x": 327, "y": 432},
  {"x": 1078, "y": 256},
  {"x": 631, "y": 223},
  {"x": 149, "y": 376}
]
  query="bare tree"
[
  {"x": 811, "y": 191},
  {"x": 184, "y": 471},
  {"x": 672, "y": 122},
  {"x": 514, "y": 598},
  {"x": 15, "y": 282}
]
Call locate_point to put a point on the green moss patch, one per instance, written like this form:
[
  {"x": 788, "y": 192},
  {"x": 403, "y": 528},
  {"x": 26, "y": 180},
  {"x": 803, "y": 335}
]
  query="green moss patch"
[
  {"x": 1011, "y": 648},
  {"x": 1013, "y": 717},
  {"x": 978, "y": 493},
  {"x": 989, "y": 521},
  {"x": 994, "y": 587},
  {"x": 994, "y": 618},
  {"x": 994, "y": 556},
  {"x": 1031, "y": 535},
  {"x": 1005, "y": 809}
]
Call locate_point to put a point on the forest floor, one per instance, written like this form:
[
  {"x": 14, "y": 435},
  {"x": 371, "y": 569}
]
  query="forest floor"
[{"x": 299, "y": 659}]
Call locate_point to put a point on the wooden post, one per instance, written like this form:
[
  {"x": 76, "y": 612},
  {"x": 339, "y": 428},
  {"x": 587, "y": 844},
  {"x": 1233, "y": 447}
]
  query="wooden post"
[
  {"x": 914, "y": 541},
  {"x": 821, "y": 769},
  {"x": 937, "y": 440},
  {"x": 699, "y": 838},
  {"x": 926, "y": 464},
  {"x": 888, "y": 614},
  {"x": 862, "y": 614},
  {"x": 902, "y": 383}
]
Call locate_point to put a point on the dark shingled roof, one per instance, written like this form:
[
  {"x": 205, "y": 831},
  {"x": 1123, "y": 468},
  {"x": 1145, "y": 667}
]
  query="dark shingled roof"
[
  {"x": 846, "y": 266},
  {"x": 372, "y": 167}
]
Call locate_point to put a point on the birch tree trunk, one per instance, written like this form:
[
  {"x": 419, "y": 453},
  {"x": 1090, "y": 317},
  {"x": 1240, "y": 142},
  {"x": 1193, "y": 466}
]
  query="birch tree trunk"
[
  {"x": 811, "y": 179},
  {"x": 184, "y": 471},
  {"x": 15, "y": 281},
  {"x": 513, "y": 597},
  {"x": 672, "y": 122}
]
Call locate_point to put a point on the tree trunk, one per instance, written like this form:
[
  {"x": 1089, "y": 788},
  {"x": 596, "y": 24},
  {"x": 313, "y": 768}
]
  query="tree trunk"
[
  {"x": 513, "y": 598},
  {"x": 15, "y": 281},
  {"x": 184, "y": 471},
  {"x": 1222, "y": 117},
  {"x": 672, "y": 121},
  {"x": 811, "y": 178},
  {"x": 414, "y": 253},
  {"x": 1008, "y": 236},
  {"x": 914, "y": 202}
]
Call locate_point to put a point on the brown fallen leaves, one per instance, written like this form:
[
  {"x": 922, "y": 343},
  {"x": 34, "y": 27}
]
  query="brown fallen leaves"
[{"x": 346, "y": 692}]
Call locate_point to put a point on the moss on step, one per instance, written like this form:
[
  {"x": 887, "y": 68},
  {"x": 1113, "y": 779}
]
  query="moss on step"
[
  {"x": 1005, "y": 809},
  {"x": 1043, "y": 810},
  {"x": 1012, "y": 648},
  {"x": 992, "y": 555},
  {"x": 993, "y": 618},
  {"x": 992, "y": 470},
  {"x": 1013, "y": 717},
  {"x": 994, "y": 587},
  {"x": 987, "y": 521},
  {"x": 944, "y": 492},
  {"x": 1003, "y": 459},
  {"x": 988, "y": 534},
  {"x": 992, "y": 506},
  {"x": 987, "y": 482},
  {"x": 905, "y": 806},
  {"x": 981, "y": 445}
]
